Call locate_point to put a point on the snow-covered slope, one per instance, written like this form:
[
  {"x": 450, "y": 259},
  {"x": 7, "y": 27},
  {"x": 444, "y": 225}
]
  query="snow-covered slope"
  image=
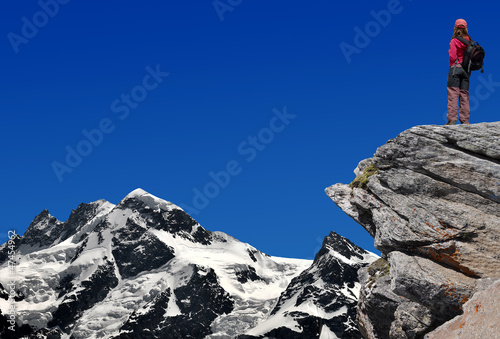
[
  {"x": 146, "y": 269},
  {"x": 321, "y": 301}
]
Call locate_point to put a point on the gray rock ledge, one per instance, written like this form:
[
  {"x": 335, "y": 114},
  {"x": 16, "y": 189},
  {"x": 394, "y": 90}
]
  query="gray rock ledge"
[{"x": 433, "y": 208}]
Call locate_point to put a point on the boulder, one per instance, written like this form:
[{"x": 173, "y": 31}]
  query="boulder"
[{"x": 479, "y": 320}]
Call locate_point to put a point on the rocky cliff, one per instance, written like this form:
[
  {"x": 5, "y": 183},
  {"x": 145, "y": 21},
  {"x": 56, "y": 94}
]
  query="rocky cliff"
[{"x": 431, "y": 200}]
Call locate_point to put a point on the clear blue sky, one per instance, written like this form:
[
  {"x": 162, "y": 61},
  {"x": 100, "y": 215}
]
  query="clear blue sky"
[{"x": 259, "y": 105}]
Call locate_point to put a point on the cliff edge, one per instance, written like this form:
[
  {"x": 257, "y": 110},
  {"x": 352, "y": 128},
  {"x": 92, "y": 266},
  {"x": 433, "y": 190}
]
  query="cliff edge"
[{"x": 431, "y": 200}]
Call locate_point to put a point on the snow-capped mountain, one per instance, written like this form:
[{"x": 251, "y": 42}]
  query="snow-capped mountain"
[
  {"x": 145, "y": 269},
  {"x": 321, "y": 301}
]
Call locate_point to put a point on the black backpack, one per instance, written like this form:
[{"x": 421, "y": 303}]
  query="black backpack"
[{"x": 473, "y": 56}]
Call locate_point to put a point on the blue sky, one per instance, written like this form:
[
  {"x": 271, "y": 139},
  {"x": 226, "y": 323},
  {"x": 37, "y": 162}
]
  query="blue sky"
[{"x": 240, "y": 111}]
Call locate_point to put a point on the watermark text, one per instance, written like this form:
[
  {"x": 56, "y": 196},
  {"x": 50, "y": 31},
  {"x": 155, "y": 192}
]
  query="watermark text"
[
  {"x": 11, "y": 286},
  {"x": 248, "y": 149},
  {"x": 223, "y": 6},
  {"x": 364, "y": 36},
  {"x": 122, "y": 107},
  {"x": 31, "y": 26}
]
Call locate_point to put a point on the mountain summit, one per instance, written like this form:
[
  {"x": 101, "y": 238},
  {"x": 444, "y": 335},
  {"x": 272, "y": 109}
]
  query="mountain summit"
[{"x": 145, "y": 269}]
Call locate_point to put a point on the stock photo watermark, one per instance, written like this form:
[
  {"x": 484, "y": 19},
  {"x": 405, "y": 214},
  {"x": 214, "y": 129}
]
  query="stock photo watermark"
[
  {"x": 11, "y": 286},
  {"x": 121, "y": 106},
  {"x": 223, "y": 6},
  {"x": 248, "y": 149},
  {"x": 364, "y": 36},
  {"x": 31, "y": 26},
  {"x": 483, "y": 91}
]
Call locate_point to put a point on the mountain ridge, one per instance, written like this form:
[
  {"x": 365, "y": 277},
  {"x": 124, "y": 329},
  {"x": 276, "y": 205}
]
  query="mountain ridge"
[{"x": 144, "y": 268}]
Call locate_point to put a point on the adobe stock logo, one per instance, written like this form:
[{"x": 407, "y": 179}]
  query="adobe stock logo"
[
  {"x": 40, "y": 19},
  {"x": 363, "y": 37},
  {"x": 121, "y": 106},
  {"x": 223, "y": 6},
  {"x": 249, "y": 150}
]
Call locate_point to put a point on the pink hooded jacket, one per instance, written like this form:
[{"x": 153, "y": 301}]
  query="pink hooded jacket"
[{"x": 456, "y": 51}]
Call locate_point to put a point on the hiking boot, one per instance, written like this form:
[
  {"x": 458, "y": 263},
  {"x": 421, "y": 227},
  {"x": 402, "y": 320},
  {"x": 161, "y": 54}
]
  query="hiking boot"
[
  {"x": 465, "y": 123},
  {"x": 451, "y": 122}
]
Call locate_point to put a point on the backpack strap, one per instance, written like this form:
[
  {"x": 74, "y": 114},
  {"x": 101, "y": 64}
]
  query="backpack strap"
[
  {"x": 468, "y": 43},
  {"x": 463, "y": 40}
]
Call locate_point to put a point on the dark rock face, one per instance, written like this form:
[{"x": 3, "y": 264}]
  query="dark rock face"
[
  {"x": 247, "y": 273},
  {"x": 204, "y": 299},
  {"x": 327, "y": 285},
  {"x": 412, "y": 321},
  {"x": 8, "y": 330},
  {"x": 78, "y": 218},
  {"x": 377, "y": 303},
  {"x": 80, "y": 249},
  {"x": 200, "y": 301},
  {"x": 136, "y": 250},
  {"x": 65, "y": 285},
  {"x": 91, "y": 292},
  {"x": 146, "y": 323},
  {"x": 431, "y": 200},
  {"x": 45, "y": 230},
  {"x": 341, "y": 245},
  {"x": 175, "y": 221},
  {"x": 252, "y": 254}
]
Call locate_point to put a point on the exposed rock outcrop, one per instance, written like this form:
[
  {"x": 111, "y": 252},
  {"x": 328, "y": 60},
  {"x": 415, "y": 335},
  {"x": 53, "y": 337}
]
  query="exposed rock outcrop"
[
  {"x": 431, "y": 200},
  {"x": 480, "y": 318},
  {"x": 321, "y": 301}
]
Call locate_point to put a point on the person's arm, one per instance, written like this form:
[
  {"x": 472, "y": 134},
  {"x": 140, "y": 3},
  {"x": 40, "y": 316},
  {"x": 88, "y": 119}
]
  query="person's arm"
[{"x": 453, "y": 51}]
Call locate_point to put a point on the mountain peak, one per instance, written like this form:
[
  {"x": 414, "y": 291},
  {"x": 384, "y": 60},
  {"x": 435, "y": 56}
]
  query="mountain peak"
[
  {"x": 149, "y": 200},
  {"x": 322, "y": 299},
  {"x": 44, "y": 215},
  {"x": 43, "y": 222},
  {"x": 336, "y": 243},
  {"x": 138, "y": 192}
]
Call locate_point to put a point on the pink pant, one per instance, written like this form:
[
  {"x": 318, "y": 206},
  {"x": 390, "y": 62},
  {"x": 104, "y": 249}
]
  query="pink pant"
[{"x": 456, "y": 95}]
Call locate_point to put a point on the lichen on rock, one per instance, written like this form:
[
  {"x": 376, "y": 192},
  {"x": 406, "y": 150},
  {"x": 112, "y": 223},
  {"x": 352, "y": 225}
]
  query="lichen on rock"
[{"x": 362, "y": 180}]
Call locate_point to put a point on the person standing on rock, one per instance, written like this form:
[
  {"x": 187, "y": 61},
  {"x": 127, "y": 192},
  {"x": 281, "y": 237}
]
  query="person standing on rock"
[{"x": 458, "y": 78}]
